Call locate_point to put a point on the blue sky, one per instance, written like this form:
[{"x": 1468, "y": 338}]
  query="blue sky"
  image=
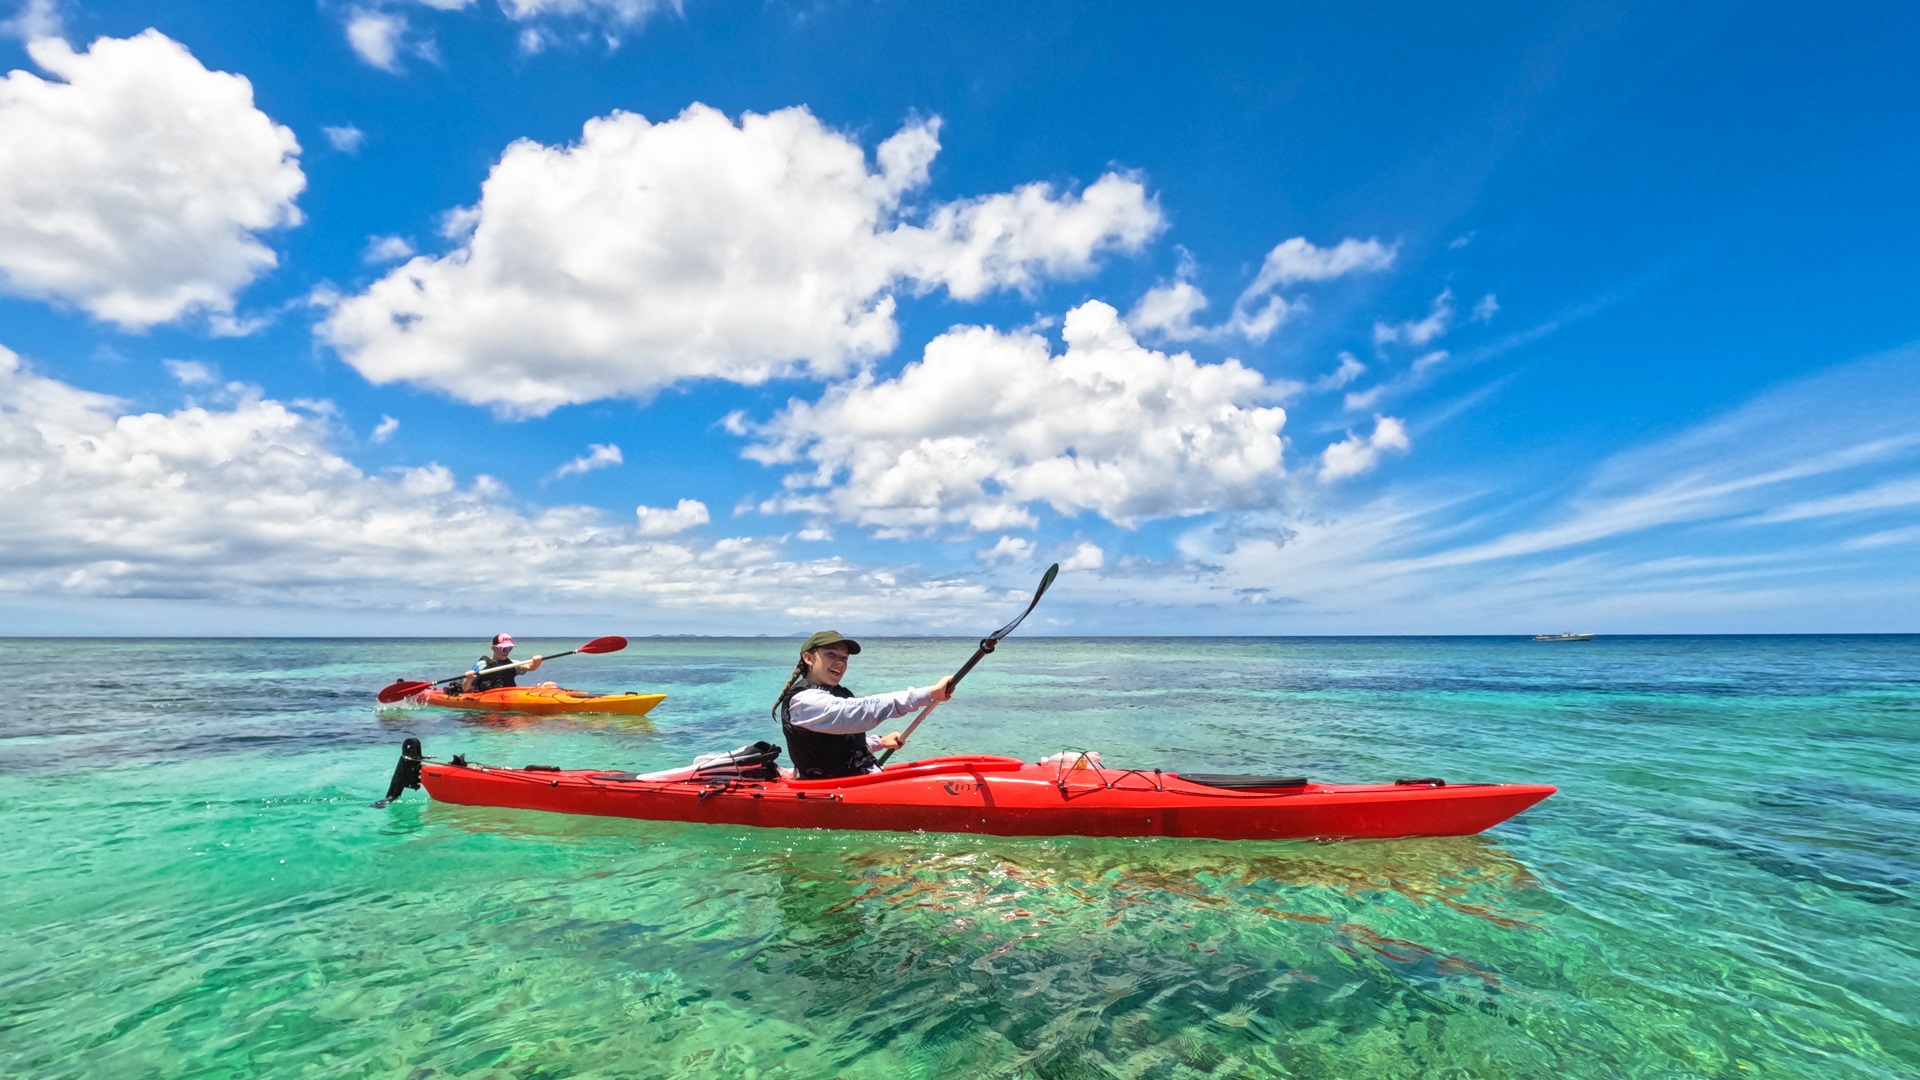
[{"x": 590, "y": 316}]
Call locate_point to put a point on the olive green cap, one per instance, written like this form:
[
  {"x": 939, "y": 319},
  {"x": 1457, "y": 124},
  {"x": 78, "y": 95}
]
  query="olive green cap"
[{"x": 831, "y": 637}]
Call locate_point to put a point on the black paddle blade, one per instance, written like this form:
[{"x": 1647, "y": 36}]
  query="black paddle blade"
[
  {"x": 1052, "y": 572},
  {"x": 399, "y": 690}
]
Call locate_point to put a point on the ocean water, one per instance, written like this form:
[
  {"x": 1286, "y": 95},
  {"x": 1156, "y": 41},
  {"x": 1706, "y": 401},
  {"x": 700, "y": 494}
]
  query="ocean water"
[{"x": 1727, "y": 885}]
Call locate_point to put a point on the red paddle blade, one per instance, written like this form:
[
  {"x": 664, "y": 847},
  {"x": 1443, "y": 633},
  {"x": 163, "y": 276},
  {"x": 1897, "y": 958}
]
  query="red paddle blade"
[
  {"x": 401, "y": 689},
  {"x": 603, "y": 645}
]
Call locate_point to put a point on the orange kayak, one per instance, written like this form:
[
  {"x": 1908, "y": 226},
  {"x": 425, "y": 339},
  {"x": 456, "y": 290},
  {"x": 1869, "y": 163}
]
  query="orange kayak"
[{"x": 543, "y": 700}]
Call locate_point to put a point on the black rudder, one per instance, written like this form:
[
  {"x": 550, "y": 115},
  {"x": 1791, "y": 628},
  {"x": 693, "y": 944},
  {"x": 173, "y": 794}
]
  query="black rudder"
[{"x": 405, "y": 775}]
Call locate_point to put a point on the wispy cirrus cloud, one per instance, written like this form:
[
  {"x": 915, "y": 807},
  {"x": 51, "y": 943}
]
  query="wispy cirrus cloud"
[
  {"x": 346, "y": 138},
  {"x": 386, "y": 249},
  {"x": 1418, "y": 332},
  {"x": 1421, "y": 371},
  {"x": 378, "y": 36},
  {"x": 383, "y": 32},
  {"x": 1720, "y": 491},
  {"x": 1893, "y": 494},
  {"x": 1350, "y": 369},
  {"x": 34, "y": 21},
  {"x": 1168, "y": 310},
  {"x": 1784, "y": 506}
]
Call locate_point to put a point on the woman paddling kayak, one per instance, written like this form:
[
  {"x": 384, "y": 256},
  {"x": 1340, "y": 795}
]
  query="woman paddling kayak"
[
  {"x": 498, "y": 658},
  {"x": 826, "y": 725}
]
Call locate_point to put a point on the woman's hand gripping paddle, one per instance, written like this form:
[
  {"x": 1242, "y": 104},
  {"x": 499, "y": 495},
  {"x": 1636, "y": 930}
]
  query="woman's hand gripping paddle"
[
  {"x": 402, "y": 689},
  {"x": 986, "y": 646}
]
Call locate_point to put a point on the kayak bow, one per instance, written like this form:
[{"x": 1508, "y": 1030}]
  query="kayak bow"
[{"x": 1001, "y": 796}]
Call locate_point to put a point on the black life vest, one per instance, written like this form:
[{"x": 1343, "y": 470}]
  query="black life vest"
[
  {"x": 496, "y": 680},
  {"x": 817, "y": 755}
]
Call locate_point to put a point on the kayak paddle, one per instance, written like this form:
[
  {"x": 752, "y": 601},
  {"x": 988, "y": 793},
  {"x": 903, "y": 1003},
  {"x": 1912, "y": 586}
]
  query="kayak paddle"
[
  {"x": 401, "y": 689},
  {"x": 986, "y": 646}
]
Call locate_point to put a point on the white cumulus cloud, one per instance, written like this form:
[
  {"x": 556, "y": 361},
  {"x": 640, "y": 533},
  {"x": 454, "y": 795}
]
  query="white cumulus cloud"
[
  {"x": 135, "y": 186},
  {"x": 987, "y": 423},
  {"x": 384, "y": 429},
  {"x": 249, "y": 503},
  {"x": 664, "y": 521},
  {"x": 1168, "y": 311},
  {"x": 1085, "y": 556},
  {"x": 1009, "y": 548},
  {"x": 1358, "y": 453},
  {"x": 598, "y": 456},
  {"x": 651, "y": 253}
]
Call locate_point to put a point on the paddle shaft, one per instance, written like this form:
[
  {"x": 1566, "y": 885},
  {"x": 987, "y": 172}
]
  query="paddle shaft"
[
  {"x": 606, "y": 645},
  {"x": 908, "y": 734},
  {"x": 405, "y": 689},
  {"x": 986, "y": 646},
  {"x": 505, "y": 667}
]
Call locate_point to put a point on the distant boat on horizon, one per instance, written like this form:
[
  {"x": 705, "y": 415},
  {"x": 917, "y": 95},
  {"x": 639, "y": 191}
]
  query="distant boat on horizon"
[{"x": 1568, "y": 636}]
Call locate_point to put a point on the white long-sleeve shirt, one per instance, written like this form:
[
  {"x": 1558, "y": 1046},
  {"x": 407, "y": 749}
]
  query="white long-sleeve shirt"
[{"x": 818, "y": 710}]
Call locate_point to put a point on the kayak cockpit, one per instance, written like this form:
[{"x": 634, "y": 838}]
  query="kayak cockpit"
[
  {"x": 1236, "y": 782},
  {"x": 912, "y": 770}
]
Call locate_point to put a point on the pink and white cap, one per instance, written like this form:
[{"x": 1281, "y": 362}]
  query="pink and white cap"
[{"x": 503, "y": 641}]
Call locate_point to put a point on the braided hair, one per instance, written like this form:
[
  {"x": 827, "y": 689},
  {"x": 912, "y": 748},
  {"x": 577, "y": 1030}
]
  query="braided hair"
[{"x": 799, "y": 675}]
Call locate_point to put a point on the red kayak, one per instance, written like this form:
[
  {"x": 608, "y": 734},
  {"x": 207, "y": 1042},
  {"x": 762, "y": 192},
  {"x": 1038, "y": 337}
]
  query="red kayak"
[{"x": 1002, "y": 796}]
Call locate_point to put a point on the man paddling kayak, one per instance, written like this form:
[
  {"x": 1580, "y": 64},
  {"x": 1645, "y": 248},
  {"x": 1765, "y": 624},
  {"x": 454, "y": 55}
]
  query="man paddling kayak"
[
  {"x": 502, "y": 646},
  {"x": 826, "y": 726}
]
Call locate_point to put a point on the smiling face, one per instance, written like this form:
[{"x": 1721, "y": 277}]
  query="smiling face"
[{"x": 826, "y": 664}]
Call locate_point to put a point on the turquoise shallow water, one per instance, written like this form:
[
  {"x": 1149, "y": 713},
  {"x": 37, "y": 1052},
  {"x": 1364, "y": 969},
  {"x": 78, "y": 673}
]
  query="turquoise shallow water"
[{"x": 1726, "y": 886}]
